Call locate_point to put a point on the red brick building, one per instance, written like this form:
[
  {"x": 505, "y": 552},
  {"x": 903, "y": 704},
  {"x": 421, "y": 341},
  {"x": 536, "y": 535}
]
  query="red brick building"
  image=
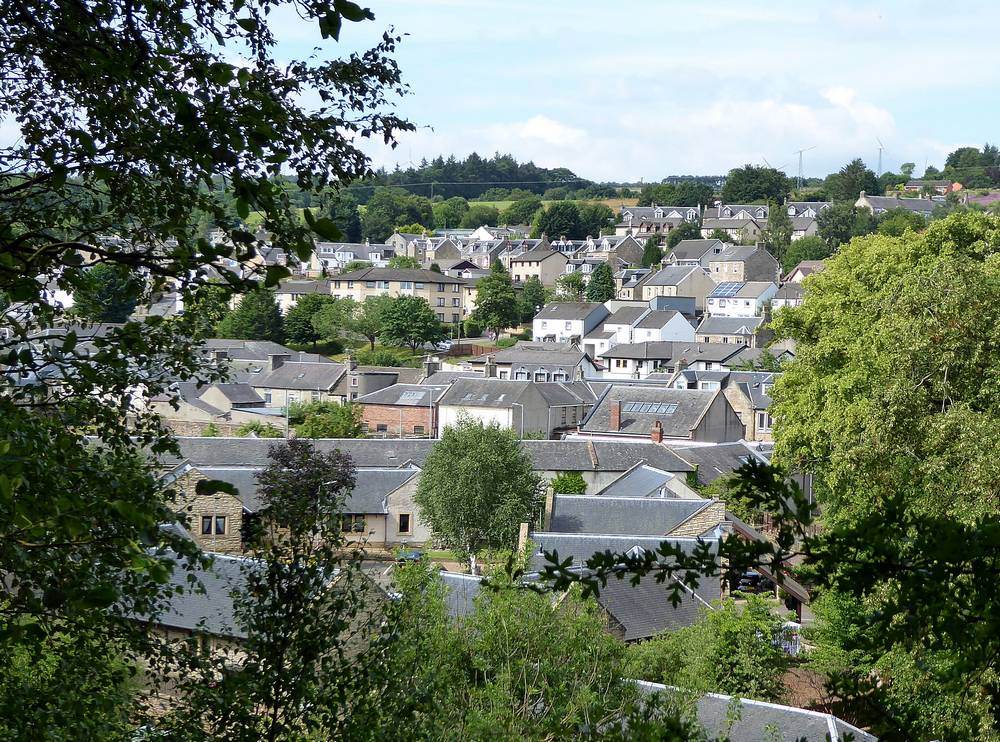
[{"x": 402, "y": 411}]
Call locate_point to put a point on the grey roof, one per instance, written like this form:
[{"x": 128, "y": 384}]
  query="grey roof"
[
  {"x": 626, "y": 316},
  {"x": 243, "y": 478},
  {"x": 537, "y": 254},
  {"x": 239, "y": 393},
  {"x": 446, "y": 377},
  {"x": 641, "y": 481},
  {"x": 498, "y": 393},
  {"x": 884, "y": 203},
  {"x": 791, "y": 290},
  {"x": 696, "y": 249},
  {"x": 460, "y": 592},
  {"x": 715, "y": 325},
  {"x": 372, "y": 486},
  {"x": 734, "y": 253},
  {"x": 656, "y": 350},
  {"x": 655, "y": 320},
  {"x": 570, "y": 310},
  {"x": 671, "y": 275},
  {"x": 653, "y": 516},
  {"x": 303, "y": 376},
  {"x": 397, "y": 274},
  {"x": 541, "y": 354},
  {"x": 405, "y": 395},
  {"x": 569, "y": 455},
  {"x": 566, "y": 392},
  {"x": 753, "y": 385},
  {"x": 303, "y": 287},
  {"x": 688, "y": 405},
  {"x": 717, "y": 459},
  {"x": 808, "y": 266},
  {"x": 210, "y": 611}
]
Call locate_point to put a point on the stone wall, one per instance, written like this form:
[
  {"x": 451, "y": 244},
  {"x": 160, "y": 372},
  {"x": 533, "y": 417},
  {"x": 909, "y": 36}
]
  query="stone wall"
[
  {"x": 390, "y": 415},
  {"x": 195, "y": 506},
  {"x": 197, "y": 428},
  {"x": 702, "y": 521}
]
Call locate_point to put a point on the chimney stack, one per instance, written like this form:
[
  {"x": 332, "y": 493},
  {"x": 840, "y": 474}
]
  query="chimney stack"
[
  {"x": 490, "y": 368},
  {"x": 616, "y": 415},
  {"x": 431, "y": 366},
  {"x": 277, "y": 360},
  {"x": 352, "y": 363},
  {"x": 657, "y": 435}
]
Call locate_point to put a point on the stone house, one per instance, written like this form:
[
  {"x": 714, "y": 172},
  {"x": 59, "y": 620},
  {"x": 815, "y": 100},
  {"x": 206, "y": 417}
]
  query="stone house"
[
  {"x": 736, "y": 330},
  {"x": 749, "y": 393},
  {"x": 692, "y": 281},
  {"x": 544, "y": 264},
  {"x": 629, "y": 283},
  {"x": 565, "y": 321},
  {"x": 744, "y": 263},
  {"x": 298, "y": 381},
  {"x": 443, "y": 293},
  {"x": 653, "y": 221},
  {"x": 695, "y": 252}
]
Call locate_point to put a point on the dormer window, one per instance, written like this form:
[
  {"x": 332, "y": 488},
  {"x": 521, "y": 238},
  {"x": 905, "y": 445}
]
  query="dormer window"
[
  {"x": 658, "y": 213},
  {"x": 791, "y": 211},
  {"x": 760, "y": 213},
  {"x": 727, "y": 211}
]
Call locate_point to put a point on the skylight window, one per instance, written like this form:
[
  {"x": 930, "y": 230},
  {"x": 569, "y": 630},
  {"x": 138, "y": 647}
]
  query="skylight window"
[{"x": 650, "y": 408}]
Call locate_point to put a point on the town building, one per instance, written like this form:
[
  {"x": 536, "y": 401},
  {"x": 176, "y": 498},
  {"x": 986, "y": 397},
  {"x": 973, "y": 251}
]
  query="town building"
[{"x": 562, "y": 321}]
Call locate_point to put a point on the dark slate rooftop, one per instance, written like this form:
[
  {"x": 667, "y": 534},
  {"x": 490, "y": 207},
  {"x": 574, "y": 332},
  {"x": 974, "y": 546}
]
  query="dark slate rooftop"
[
  {"x": 542, "y": 354},
  {"x": 302, "y": 376},
  {"x": 640, "y": 481},
  {"x": 791, "y": 290},
  {"x": 696, "y": 249},
  {"x": 655, "y": 320},
  {"x": 626, "y": 315},
  {"x": 239, "y": 393},
  {"x": 405, "y": 395},
  {"x": 498, "y": 393},
  {"x": 677, "y": 410},
  {"x": 717, "y": 459},
  {"x": 460, "y": 593},
  {"x": 210, "y": 611},
  {"x": 671, "y": 275},
  {"x": 397, "y": 274},
  {"x": 568, "y": 310},
  {"x": 654, "y": 516}
]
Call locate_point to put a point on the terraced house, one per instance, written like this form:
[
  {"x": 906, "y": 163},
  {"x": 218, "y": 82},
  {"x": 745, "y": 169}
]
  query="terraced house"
[{"x": 443, "y": 293}]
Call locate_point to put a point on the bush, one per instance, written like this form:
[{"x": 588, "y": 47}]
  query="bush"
[
  {"x": 378, "y": 357},
  {"x": 569, "y": 483},
  {"x": 259, "y": 430},
  {"x": 210, "y": 431},
  {"x": 506, "y": 342},
  {"x": 525, "y": 335},
  {"x": 473, "y": 329}
]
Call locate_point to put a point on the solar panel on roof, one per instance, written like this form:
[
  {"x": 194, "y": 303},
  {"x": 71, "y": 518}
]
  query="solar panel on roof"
[
  {"x": 410, "y": 396},
  {"x": 727, "y": 288},
  {"x": 650, "y": 408}
]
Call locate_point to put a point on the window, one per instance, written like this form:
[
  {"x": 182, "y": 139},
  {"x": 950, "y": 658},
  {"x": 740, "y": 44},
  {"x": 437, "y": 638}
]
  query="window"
[
  {"x": 352, "y": 523},
  {"x": 440, "y": 301},
  {"x": 569, "y": 325},
  {"x": 406, "y": 284},
  {"x": 521, "y": 374},
  {"x": 369, "y": 284},
  {"x": 502, "y": 375},
  {"x": 419, "y": 284},
  {"x": 541, "y": 375},
  {"x": 440, "y": 316},
  {"x": 404, "y": 522},
  {"x": 383, "y": 284},
  {"x": 456, "y": 302},
  {"x": 455, "y": 288},
  {"x": 418, "y": 430},
  {"x": 336, "y": 284},
  {"x": 563, "y": 415},
  {"x": 350, "y": 284},
  {"x": 559, "y": 375},
  {"x": 213, "y": 524},
  {"x": 764, "y": 421},
  {"x": 315, "y": 396},
  {"x": 621, "y": 363},
  {"x": 455, "y": 317},
  {"x": 354, "y": 381},
  {"x": 267, "y": 397},
  {"x": 440, "y": 287},
  {"x": 652, "y": 408}
]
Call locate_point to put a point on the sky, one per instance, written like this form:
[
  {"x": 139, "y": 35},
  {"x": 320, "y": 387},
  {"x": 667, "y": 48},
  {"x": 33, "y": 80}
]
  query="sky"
[{"x": 641, "y": 90}]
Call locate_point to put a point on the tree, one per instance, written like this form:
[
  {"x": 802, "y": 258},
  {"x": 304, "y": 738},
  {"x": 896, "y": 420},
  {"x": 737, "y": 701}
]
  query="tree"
[
  {"x": 476, "y": 488},
  {"x": 448, "y": 214},
  {"x": 256, "y": 317},
  {"x": 848, "y": 183},
  {"x": 496, "y": 303},
  {"x": 601, "y": 286},
  {"x": 367, "y": 319},
  {"x": 595, "y": 218},
  {"x": 685, "y": 193},
  {"x": 733, "y": 649},
  {"x": 558, "y": 220},
  {"x": 331, "y": 320},
  {"x": 895, "y": 222},
  {"x": 389, "y": 208},
  {"x": 107, "y": 293},
  {"x": 210, "y": 431},
  {"x": 521, "y": 211},
  {"x": 571, "y": 286},
  {"x": 569, "y": 483},
  {"x": 411, "y": 229},
  {"x": 813, "y": 247},
  {"x": 719, "y": 234},
  {"x": 343, "y": 211},
  {"x": 356, "y": 265},
  {"x": 906, "y": 170},
  {"x": 842, "y": 222},
  {"x": 683, "y": 231},
  {"x": 652, "y": 253},
  {"x": 299, "y": 327},
  {"x": 326, "y": 420},
  {"x": 480, "y": 215},
  {"x": 435, "y": 267},
  {"x": 752, "y": 183},
  {"x": 532, "y": 298},
  {"x": 778, "y": 233},
  {"x": 409, "y": 320},
  {"x": 257, "y": 429},
  {"x": 207, "y": 306},
  {"x": 404, "y": 262}
]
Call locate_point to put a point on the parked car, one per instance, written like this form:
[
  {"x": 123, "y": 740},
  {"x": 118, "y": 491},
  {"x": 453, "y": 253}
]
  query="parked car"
[{"x": 754, "y": 582}]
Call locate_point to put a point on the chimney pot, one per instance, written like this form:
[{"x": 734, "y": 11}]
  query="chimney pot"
[
  {"x": 657, "y": 435},
  {"x": 616, "y": 415}
]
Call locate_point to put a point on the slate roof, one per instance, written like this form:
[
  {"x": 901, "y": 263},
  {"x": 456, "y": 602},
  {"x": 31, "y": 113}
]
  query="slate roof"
[
  {"x": 404, "y": 395},
  {"x": 919, "y": 205},
  {"x": 695, "y": 249},
  {"x": 671, "y": 275},
  {"x": 735, "y": 253},
  {"x": 654, "y": 516},
  {"x": 656, "y": 350},
  {"x": 641, "y": 481},
  {"x": 626, "y": 316},
  {"x": 655, "y": 320},
  {"x": 460, "y": 593},
  {"x": 584, "y": 455},
  {"x": 537, "y": 254},
  {"x": 542, "y": 354},
  {"x": 808, "y": 267},
  {"x": 569, "y": 310},
  {"x": 717, "y": 459},
  {"x": 566, "y": 392},
  {"x": 372, "y": 486},
  {"x": 303, "y": 287},
  {"x": 791, "y": 290},
  {"x": 499, "y": 393},
  {"x": 210, "y": 611},
  {"x": 691, "y": 405},
  {"x": 397, "y": 274},
  {"x": 302, "y": 376},
  {"x": 715, "y": 325},
  {"x": 239, "y": 393},
  {"x": 446, "y": 377}
]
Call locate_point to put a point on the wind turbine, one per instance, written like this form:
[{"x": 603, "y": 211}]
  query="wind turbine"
[
  {"x": 799, "y": 153},
  {"x": 880, "y": 148},
  {"x": 781, "y": 167}
]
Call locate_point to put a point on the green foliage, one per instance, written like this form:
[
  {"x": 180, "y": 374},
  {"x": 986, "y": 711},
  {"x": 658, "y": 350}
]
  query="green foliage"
[
  {"x": 496, "y": 303},
  {"x": 477, "y": 487},
  {"x": 734, "y": 649},
  {"x": 521, "y": 211},
  {"x": 389, "y": 208},
  {"x": 896, "y": 221},
  {"x": 256, "y": 317},
  {"x": 343, "y": 212},
  {"x": 595, "y": 219},
  {"x": 435, "y": 267},
  {"x": 847, "y": 184},
  {"x": 719, "y": 234},
  {"x": 448, "y": 214},
  {"x": 601, "y": 286},
  {"x": 206, "y": 306},
  {"x": 506, "y": 342},
  {"x": 326, "y": 420},
  {"x": 472, "y": 328},
  {"x": 299, "y": 327},
  {"x": 480, "y": 215},
  {"x": 571, "y": 286},
  {"x": 379, "y": 357},
  {"x": 778, "y": 233},
  {"x": 842, "y": 222},
  {"x": 107, "y": 293},
  {"x": 410, "y": 229},
  {"x": 558, "y": 220},
  {"x": 409, "y": 320},
  {"x": 753, "y": 183},
  {"x": 356, "y": 265},
  {"x": 404, "y": 262},
  {"x": 258, "y": 429},
  {"x": 683, "y": 231},
  {"x": 685, "y": 193},
  {"x": 532, "y": 297},
  {"x": 813, "y": 247},
  {"x": 569, "y": 483},
  {"x": 652, "y": 253},
  {"x": 210, "y": 431}
]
